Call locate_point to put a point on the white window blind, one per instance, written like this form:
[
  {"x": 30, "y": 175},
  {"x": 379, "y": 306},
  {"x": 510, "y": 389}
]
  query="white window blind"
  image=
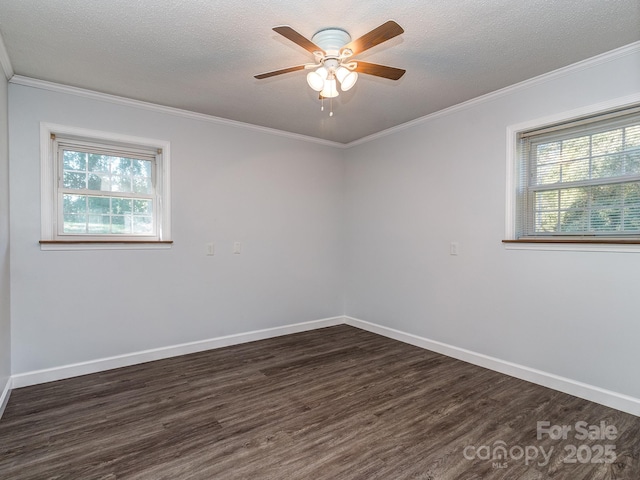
[{"x": 581, "y": 179}]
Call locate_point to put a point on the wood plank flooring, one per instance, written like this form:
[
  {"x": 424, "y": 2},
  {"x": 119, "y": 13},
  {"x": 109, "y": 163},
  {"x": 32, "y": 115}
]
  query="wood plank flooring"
[{"x": 335, "y": 403}]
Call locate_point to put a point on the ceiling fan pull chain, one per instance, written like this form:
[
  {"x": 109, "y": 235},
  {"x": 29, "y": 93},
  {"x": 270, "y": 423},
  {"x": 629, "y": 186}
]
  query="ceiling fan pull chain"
[{"x": 331, "y": 106}]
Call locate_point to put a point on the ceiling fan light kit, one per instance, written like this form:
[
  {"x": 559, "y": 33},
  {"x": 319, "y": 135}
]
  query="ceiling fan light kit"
[
  {"x": 346, "y": 78},
  {"x": 333, "y": 50},
  {"x": 330, "y": 89},
  {"x": 316, "y": 79}
]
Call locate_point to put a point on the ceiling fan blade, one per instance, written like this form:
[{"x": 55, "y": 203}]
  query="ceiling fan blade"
[
  {"x": 391, "y": 73},
  {"x": 289, "y": 33},
  {"x": 280, "y": 72},
  {"x": 384, "y": 32}
]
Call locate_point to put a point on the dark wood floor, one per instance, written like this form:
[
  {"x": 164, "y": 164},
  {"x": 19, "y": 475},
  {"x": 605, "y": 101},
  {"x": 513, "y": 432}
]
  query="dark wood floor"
[{"x": 336, "y": 403}]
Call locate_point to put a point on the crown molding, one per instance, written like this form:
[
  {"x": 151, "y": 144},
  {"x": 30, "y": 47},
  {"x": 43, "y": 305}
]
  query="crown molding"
[
  {"x": 114, "y": 99},
  {"x": 4, "y": 60},
  {"x": 631, "y": 49}
]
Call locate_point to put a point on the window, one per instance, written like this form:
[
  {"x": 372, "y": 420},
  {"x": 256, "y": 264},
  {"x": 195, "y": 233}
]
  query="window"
[
  {"x": 580, "y": 180},
  {"x": 100, "y": 187}
]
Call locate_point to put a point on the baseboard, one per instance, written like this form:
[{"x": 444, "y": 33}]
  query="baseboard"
[
  {"x": 592, "y": 393},
  {"x": 4, "y": 397},
  {"x": 102, "y": 364}
]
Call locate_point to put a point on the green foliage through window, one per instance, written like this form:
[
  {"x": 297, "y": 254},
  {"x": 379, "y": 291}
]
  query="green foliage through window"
[
  {"x": 582, "y": 180},
  {"x": 106, "y": 194}
]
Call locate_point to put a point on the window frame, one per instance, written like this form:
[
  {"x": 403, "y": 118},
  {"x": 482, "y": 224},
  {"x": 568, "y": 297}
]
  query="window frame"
[
  {"x": 513, "y": 187},
  {"x": 52, "y": 237}
]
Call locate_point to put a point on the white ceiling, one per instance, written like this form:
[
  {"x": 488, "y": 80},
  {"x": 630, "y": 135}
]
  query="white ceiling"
[{"x": 201, "y": 55}]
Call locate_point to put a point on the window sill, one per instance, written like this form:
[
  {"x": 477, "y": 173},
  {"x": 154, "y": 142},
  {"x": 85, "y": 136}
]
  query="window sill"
[
  {"x": 105, "y": 244},
  {"x": 620, "y": 245}
]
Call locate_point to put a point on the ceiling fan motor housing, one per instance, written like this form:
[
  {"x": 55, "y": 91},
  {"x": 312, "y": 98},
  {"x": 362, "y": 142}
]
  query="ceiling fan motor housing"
[
  {"x": 323, "y": 80},
  {"x": 331, "y": 40}
]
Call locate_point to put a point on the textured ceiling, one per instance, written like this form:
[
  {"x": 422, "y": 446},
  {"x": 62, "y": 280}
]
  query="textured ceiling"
[{"x": 201, "y": 55}]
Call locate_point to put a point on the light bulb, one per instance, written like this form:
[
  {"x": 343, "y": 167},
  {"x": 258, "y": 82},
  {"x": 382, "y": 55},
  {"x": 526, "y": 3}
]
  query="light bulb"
[
  {"x": 346, "y": 78},
  {"x": 330, "y": 89},
  {"x": 341, "y": 72},
  {"x": 316, "y": 79},
  {"x": 323, "y": 72}
]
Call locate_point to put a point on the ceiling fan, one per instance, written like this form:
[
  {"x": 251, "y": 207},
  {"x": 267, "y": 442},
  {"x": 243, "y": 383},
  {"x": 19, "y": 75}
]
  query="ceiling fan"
[{"x": 333, "y": 52}]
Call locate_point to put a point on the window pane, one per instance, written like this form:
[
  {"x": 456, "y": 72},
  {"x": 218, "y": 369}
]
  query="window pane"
[
  {"x": 606, "y": 196},
  {"x": 575, "y": 148},
  {"x": 74, "y": 203},
  {"x": 597, "y": 161},
  {"x": 608, "y": 166},
  {"x": 548, "y": 174},
  {"x": 74, "y": 160},
  {"x": 632, "y": 219},
  {"x": 103, "y": 177},
  {"x": 74, "y": 223},
  {"x": 574, "y": 221},
  {"x": 98, "y": 163},
  {"x": 141, "y": 185},
  {"x": 105, "y": 215},
  {"x": 120, "y": 166},
  {"x": 106, "y": 173},
  {"x": 142, "y": 206},
  {"x": 142, "y": 225},
  {"x": 574, "y": 217},
  {"x": 632, "y": 163},
  {"x": 121, "y": 184},
  {"x": 588, "y": 210},
  {"x": 99, "y": 224},
  {"x": 575, "y": 171},
  {"x": 121, "y": 205},
  {"x": 546, "y": 222},
  {"x": 74, "y": 180},
  {"x": 141, "y": 168},
  {"x": 631, "y": 192},
  {"x": 606, "y": 142},
  {"x": 547, "y": 200},
  {"x": 99, "y": 205},
  {"x": 548, "y": 152},
  {"x": 121, "y": 224},
  {"x": 98, "y": 182},
  {"x": 631, "y": 202},
  {"x": 572, "y": 198},
  {"x": 121, "y": 174},
  {"x": 606, "y": 219},
  {"x": 632, "y": 136}
]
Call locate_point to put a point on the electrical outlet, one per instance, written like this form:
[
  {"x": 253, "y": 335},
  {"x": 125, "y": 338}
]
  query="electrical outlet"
[{"x": 453, "y": 248}]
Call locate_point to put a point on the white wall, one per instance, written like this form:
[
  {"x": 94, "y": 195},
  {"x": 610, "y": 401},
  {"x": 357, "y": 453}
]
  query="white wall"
[
  {"x": 409, "y": 194},
  {"x": 5, "y": 323},
  {"x": 281, "y": 197},
  {"x": 380, "y": 215}
]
